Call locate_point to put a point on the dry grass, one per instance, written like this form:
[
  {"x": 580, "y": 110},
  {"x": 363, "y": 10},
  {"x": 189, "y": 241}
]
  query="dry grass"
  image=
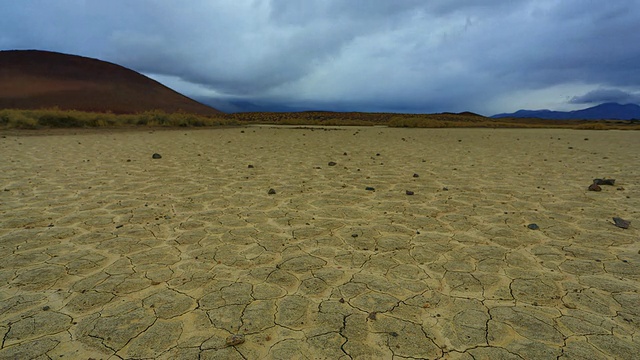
[{"x": 56, "y": 118}]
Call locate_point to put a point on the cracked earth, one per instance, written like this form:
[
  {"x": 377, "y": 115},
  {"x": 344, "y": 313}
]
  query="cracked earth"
[{"x": 110, "y": 254}]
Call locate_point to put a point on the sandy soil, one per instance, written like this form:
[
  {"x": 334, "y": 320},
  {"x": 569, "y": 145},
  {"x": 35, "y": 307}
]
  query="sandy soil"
[{"x": 108, "y": 253}]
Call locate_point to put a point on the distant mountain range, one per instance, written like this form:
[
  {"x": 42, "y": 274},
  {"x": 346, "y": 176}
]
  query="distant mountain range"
[
  {"x": 33, "y": 79},
  {"x": 606, "y": 111}
]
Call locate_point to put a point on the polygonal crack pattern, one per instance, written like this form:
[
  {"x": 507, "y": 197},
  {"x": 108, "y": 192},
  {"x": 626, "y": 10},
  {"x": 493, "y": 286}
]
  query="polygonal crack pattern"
[{"x": 110, "y": 254}]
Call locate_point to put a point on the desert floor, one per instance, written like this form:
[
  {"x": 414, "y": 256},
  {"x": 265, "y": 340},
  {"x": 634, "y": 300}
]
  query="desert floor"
[{"x": 108, "y": 253}]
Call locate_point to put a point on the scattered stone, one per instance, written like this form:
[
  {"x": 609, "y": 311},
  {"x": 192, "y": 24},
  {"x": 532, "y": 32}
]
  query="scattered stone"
[
  {"x": 46, "y": 308},
  {"x": 271, "y": 192},
  {"x": 594, "y": 187},
  {"x": 354, "y": 235},
  {"x": 332, "y": 163},
  {"x": 119, "y": 226},
  {"x": 604, "y": 181},
  {"x": 341, "y": 301},
  {"x": 533, "y": 226},
  {"x": 369, "y": 188},
  {"x": 445, "y": 189},
  {"x": 621, "y": 223},
  {"x": 409, "y": 192},
  {"x": 345, "y": 154},
  {"x": 128, "y": 160},
  {"x": 378, "y": 154},
  {"x": 235, "y": 339},
  {"x": 373, "y": 315},
  {"x": 156, "y": 156},
  {"x": 416, "y": 175},
  {"x": 620, "y": 188},
  {"x": 250, "y": 166},
  {"x": 394, "y": 334}
]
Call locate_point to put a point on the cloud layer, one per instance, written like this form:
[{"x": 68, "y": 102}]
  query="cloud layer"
[{"x": 368, "y": 55}]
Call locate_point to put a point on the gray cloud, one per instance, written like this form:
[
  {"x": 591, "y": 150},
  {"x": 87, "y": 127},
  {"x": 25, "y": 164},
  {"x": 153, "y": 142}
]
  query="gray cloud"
[
  {"x": 606, "y": 95},
  {"x": 443, "y": 55}
]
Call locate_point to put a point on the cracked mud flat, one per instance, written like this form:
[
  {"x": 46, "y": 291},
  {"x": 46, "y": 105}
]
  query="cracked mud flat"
[{"x": 110, "y": 254}]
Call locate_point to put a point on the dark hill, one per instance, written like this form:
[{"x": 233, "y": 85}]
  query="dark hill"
[
  {"x": 33, "y": 79},
  {"x": 606, "y": 111}
]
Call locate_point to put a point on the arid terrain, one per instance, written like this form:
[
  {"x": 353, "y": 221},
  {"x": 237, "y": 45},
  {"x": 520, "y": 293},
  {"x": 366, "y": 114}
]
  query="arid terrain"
[{"x": 265, "y": 242}]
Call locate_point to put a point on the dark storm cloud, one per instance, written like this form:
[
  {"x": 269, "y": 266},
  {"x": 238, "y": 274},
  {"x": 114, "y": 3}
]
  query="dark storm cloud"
[
  {"x": 412, "y": 55},
  {"x": 606, "y": 95}
]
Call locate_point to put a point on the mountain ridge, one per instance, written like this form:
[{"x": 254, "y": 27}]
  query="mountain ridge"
[
  {"x": 36, "y": 79},
  {"x": 604, "y": 111}
]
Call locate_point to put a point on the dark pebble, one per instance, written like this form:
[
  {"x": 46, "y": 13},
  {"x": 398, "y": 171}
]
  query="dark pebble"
[
  {"x": 156, "y": 156},
  {"x": 271, "y": 192},
  {"x": 533, "y": 226},
  {"x": 409, "y": 192},
  {"x": 378, "y": 154},
  {"x": 331, "y": 163},
  {"x": 344, "y": 154},
  {"x": 354, "y": 235},
  {"x": 394, "y": 334},
  {"x": 604, "y": 181},
  {"x": 46, "y": 308},
  {"x": 621, "y": 223},
  {"x": 369, "y": 188},
  {"x": 250, "y": 166},
  {"x": 445, "y": 188},
  {"x": 119, "y": 226},
  {"x": 416, "y": 175},
  {"x": 594, "y": 187},
  {"x": 373, "y": 315}
]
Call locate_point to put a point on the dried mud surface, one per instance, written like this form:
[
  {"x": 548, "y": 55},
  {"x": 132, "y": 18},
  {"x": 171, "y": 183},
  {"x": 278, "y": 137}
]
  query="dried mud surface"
[{"x": 110, "y": 254}]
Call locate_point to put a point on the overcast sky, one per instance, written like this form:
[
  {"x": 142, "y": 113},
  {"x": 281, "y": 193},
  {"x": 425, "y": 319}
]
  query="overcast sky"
[{"x": 485, "y": 56}]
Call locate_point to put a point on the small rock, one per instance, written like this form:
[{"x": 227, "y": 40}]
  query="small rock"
[
  {"x": 620, "y": 188},
  {"x": 250, "y": 166},
  {"x": 156, "y": 156},
  {"x": 409, "y": 192},
  {"x": 354, "y": 235},
  {"x": 445, "y": 188},
  {"x": 373, "y": 315},
  {"x": 332, "y": 163},
  {"x": 46, "y": 308},
  {"x": 604, "y": 181},
  {"x": 234, "y": 340},
  {"x": 271, "y": 192},
  {"x": 621, "y": 223},
  {"x": 369, "y": 188},
  {"x": 345, "y": 154},
  {"x": 416, "y": 175},
  {"x": 533, "y": 226},
  {"x": 378, "y": 154},
  {"x": 594, "y": 187}
]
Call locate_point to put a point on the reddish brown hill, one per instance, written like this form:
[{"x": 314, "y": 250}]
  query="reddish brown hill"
[{"x": 33, "y": 79}]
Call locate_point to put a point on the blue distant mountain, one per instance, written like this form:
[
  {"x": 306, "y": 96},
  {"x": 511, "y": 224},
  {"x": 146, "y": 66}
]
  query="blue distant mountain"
[{"x": 606, "y": 111}]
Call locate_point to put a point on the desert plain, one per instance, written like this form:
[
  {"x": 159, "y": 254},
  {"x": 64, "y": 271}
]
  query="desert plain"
[{"x": 411, "y": 244}]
